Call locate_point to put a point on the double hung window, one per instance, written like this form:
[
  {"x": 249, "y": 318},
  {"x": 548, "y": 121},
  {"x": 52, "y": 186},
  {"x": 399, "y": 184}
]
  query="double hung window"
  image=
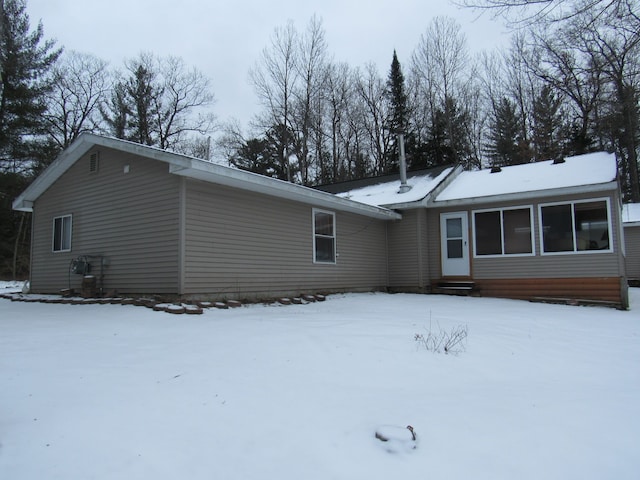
[
  {"x": 324, "y": 236},
  {"x": 62, "y": 233}
]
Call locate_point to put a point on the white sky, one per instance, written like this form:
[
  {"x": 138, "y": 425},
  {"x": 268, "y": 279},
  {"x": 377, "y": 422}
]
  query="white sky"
[{"x": 224, "y": 39}]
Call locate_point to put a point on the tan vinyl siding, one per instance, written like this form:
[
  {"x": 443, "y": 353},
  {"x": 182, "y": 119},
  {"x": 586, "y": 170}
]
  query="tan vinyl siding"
[
  {"x": 245, "y": 245},
  {"x": 129, "y": 218},
  {"x": 433, "y": 239},
  {"x": 408, "y": 252},
  {"x": 575, "y": 265},
  {"x": 632, "y": 244}
]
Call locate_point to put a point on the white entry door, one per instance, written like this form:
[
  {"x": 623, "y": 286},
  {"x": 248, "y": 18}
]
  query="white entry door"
[{"x": 454, "y": 233}]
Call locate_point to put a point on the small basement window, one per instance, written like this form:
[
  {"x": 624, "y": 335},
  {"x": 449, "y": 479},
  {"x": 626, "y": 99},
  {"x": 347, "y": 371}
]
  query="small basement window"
[
  {"x": 62, "y": 233},
  {"x": 324, "y": 236}
]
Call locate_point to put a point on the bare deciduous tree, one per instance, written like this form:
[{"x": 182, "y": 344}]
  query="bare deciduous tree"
[
  {"x": 311, "y": 70},
  {"x": 185, "y": 93},
  {"x": 371, "y": 90},
  {"x": 530, "y": 12},
  {"x": 613, "y": 43},
  {"x": 440, "y": 65},
  {"x": 160, "y": 103},
  {"x": 274, "y": 78},
  {"x": 80, "y": 84}
]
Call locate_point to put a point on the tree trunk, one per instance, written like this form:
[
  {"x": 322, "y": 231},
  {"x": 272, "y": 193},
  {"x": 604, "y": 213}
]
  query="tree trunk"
[
  {"x": 627, "y": 100},
  {"x": 16, "y": 247}
]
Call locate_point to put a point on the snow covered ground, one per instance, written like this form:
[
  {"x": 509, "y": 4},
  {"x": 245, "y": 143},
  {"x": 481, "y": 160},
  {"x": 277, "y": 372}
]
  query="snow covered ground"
[{"x": 297, "y": 392}]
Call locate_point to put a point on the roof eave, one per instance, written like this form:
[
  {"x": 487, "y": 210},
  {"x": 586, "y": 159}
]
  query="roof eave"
[
  {"x": 290, "y": 191},
  {"x": 428, "y": 198},
  {"x": 510, "y": 197},
  {"x": 24, "y": 202},
  {"x": 195, "y": 168}
]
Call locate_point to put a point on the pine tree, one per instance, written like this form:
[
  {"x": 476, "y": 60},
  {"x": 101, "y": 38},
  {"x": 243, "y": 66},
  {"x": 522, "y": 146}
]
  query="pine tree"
[
  {"x": 397, "y": 97},
  {"x": 504, "y": 140},
  {"x": 115, "y": 111},
  {"x": 438, "y": 149},
  {"x": 257, "y": 155},
  {"x": 398, "y": 111},
  {"x": 546, "y": 125},
  {"x": 25, "y": 62},
  {"x": 143, "y": 94},
  {"x": 447, "y": 142}
]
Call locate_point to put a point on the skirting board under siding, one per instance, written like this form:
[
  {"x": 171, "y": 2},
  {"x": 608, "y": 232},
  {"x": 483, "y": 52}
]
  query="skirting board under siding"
[{"x": 604, "y": 289}]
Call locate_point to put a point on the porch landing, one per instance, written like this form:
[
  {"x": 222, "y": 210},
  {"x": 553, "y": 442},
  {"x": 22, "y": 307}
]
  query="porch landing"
[{"x": 456, "y": 287}]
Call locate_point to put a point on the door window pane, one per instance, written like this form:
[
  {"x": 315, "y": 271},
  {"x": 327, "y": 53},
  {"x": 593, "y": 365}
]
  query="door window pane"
[
  {"x": 454, "y": 227},
  {"x": 454, "y": 248}
]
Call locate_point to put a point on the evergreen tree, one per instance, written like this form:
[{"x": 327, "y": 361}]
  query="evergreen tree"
[
  {"x": 547, "y": 124},
  {"x": 447, "y": 142},
  {"x": 398, "y": 112},
  {"x": 258, "y": 156},
  {"x": 25, "y": 63},
  {"x": 438, "y": 149},
  {"x": 115, "y": 111},
  {"x": 15, "y": 229},
  {"x": 267, "y": 155},
  {"x": 143, "y": 95},
  {"x": 504, "y": 140}
]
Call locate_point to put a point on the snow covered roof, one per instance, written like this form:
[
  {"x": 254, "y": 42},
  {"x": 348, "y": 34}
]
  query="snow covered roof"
[
  {"x": 588, "y": 172},
  {"x": 631, "y": 213},
  {"x": 191, "y": 167},
  {"x": 388, "y": 192}
]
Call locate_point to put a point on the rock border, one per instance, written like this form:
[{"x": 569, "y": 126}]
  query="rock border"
[{"x": 174, "y": 308}]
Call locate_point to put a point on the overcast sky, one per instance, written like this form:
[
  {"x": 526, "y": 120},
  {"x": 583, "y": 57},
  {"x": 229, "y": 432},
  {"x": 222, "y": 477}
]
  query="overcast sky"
[{"x": 224, "y": 39}]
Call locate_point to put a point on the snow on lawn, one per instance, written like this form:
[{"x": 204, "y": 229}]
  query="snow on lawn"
[{"x": 297, "y": 392}]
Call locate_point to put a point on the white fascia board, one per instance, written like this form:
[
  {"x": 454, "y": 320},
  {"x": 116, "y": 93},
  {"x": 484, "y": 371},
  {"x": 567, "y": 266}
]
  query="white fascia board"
[
  {"x": 24, "y": 202},
  {"x": 244, "y": 180},
  {"x": 428, "y": 199},
  {"x": 531, "y": 195},
  {"x": 194, "y": 168},
  {"x": 214, "y": 173}
]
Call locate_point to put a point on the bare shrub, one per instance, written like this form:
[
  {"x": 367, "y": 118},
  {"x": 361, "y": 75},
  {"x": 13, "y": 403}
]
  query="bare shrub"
[{"x": 451, "y": 341}]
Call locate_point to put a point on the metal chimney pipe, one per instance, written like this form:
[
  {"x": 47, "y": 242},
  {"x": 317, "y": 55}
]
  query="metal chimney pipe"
[{"x": 403, "y": 166}]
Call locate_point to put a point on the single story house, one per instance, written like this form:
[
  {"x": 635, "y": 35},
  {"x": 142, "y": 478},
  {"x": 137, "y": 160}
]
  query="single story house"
[
  {"x": 150, "y": 221},
  {"x": 631, "y": 224},
  {"x": 545, "y": 230}
]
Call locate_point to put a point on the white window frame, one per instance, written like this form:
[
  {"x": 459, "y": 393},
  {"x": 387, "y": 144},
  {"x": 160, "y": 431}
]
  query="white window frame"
[
  {"x": 314, "y": 236},
  {"x": 502, "y": 210},
  {"x": 575, "y": 250},
  {"x": 64, "y": 242}
]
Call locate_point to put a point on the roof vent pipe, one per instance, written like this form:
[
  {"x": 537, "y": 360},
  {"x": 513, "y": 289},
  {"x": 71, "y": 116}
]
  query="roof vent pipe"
[{"x": 403, "y": 166}]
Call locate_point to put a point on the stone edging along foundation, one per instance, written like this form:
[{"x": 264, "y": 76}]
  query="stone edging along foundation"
[{"x": 195, "y": 308}]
